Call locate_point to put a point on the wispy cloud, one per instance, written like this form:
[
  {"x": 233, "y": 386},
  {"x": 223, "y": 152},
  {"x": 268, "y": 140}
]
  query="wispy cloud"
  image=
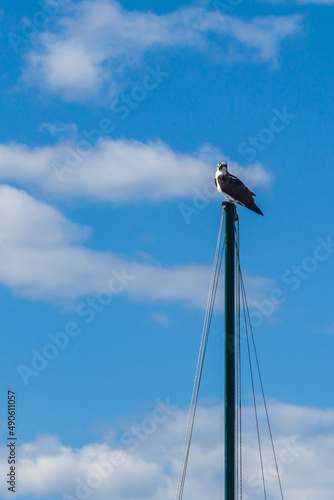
[
  {"x": 160, "y": 318},
  {"x": 56, "y": 129},
  {"x": 119, "y": 171},
  {"x": 103, "y": 41}
]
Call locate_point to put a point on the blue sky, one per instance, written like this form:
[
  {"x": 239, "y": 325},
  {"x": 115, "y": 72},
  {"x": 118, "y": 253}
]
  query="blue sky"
[{"x": 114, "y": 116}]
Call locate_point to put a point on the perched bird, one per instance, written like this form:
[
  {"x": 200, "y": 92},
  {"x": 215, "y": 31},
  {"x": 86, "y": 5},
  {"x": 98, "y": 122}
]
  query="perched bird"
[{"x": 234, "y": 189}]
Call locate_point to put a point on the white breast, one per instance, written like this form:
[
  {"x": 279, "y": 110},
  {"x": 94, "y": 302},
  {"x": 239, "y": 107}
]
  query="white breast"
[{"x": 218, "y": 174}]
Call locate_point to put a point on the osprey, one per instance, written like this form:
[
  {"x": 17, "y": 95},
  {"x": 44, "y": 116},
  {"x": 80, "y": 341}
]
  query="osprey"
[{"x": 234, "y": 189}]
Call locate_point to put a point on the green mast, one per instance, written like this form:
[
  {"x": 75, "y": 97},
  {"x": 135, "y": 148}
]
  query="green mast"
[{"x": 230, "y": 472}]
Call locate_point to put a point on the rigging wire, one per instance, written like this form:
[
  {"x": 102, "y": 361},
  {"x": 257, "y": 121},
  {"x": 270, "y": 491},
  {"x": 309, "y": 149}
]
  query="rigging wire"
[
  {"x": 251, "y": 371},
  {"x": 200, "y": 361},
  {"x": 255, "y": 409},
  {"x": 247, "y": 317},
  {"x": 241, "y": 301},
  {"x": 238, "y": 376},
  {"x": 264, "y": 398}
]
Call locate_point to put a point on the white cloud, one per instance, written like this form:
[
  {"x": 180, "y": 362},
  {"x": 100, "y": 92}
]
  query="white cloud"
[
  {"x": 44, "y": 257},
  {"x": 160, "y": 318},
  {"x": 97, "y": 42},
  {"x": 56, "y": 129},
  {"x": 68, "y": 66},
  {"x": 265, "y": 34},
  {"x": 144, "y": 462},
  {"x": 120, "y": 171}
]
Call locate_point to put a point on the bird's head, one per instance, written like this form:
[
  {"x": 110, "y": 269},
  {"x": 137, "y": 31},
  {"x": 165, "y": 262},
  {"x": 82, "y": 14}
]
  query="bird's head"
[{"x": 222, "y": 167}]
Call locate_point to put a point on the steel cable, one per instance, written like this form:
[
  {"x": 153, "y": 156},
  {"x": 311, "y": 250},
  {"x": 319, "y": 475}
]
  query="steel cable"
[{"x": 200, "y": 361}]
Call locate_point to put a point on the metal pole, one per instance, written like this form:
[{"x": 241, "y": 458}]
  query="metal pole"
[{"x": 230, "y": 213}]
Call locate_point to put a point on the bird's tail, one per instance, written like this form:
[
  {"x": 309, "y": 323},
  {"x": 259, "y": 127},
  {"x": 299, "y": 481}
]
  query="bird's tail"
[{"x": 254, "y": 208}]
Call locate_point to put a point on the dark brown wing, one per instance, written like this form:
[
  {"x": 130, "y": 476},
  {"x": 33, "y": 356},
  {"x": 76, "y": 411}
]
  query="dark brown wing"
[
  {"x": 237, "y": 190},
  {"x": 236, "y": 178}
]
